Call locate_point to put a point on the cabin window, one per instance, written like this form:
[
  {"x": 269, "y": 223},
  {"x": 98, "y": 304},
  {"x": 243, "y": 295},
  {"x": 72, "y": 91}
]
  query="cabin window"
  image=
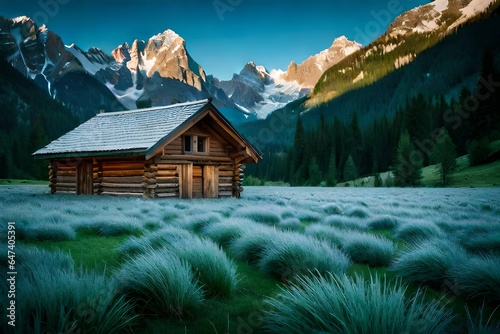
[
  {"x": 188, "y": 144},
  {"x": 202, "y": 144},
  {"x": 195, "y": 144}
]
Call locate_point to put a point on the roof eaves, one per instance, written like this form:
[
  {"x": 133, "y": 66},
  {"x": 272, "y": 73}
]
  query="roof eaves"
[{"x": 135, "y": 152}]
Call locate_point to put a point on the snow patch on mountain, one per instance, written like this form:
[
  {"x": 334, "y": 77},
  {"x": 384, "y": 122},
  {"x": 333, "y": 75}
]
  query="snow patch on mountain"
[{"x": 90, "y": 66}]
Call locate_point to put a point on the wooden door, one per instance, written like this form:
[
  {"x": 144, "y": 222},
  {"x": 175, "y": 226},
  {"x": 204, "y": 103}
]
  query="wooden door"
[
  {"x": 210, "y": 181},
  {"x": 197, "y": 181},
  {"x": 186, "y": 181},
  {"x": 84, "y": 178}
]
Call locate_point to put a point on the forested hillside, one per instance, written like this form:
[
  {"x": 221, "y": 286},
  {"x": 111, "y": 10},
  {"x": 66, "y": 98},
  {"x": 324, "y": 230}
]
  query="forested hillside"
[
  {"x": 29, "y": 119},
  {"x": 443, "y": 87}
]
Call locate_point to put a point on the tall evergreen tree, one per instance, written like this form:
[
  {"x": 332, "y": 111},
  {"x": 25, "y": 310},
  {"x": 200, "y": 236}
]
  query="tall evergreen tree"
[
  {"x": 350, "y": 170},
  {"x": 444, "y": 155},
  {"x": 485, "y": 120},
  {"x": 314, "y": 173},
  {"x": 408, "y": 163},
  {"x": 331, "y": 178},
  {"x": 298, "y": 170}
]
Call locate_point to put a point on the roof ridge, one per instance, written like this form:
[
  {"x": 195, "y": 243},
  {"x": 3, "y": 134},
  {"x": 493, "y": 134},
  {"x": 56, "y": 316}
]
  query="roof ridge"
[{"x": 153, "y": 108}]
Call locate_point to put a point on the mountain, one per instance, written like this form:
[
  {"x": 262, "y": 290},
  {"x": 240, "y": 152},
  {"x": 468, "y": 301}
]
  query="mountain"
[
  {"x": 157, "y": 72},
  {"x": 451, "y": 63},
  {"x": 409, "y": 34},
  {"x": 29, "y": 119},
  {"x": 64, "y": 72},
  {"x": 308, "y": 72},
  {"x": 261, "y": 91}
]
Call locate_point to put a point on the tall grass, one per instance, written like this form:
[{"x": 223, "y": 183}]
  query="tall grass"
[
  {"x": 211, "y": 266},
  {"x": 259, "y": 215},
  {"x": 478, "y": 277},
  {"x": 367, "y": 248},
  {"x": 196, "y": 222},
  {"x": 292, "y": 254},
  {"x": 486, "y": 241},
  {"x": 60, "y": 299},
  {"x": 325, "y": 232},
  {"x": 429, "y": 262},
  {"x": 414, "y": 231},
  {"x": 291, "y": 224},
  {"x": 165, "y": 237},
  {"x": 45, "y": 232},
  {"x": 160, "y": 283},
  {"x": 342, "y": 222},
  {"x": 479, "y": 324},
  {"x": 344, "y": 305},
  {"x": 382, "y": 223},
  {"x": 228, "y": 229},
  {"x": 251, "y": 245}
]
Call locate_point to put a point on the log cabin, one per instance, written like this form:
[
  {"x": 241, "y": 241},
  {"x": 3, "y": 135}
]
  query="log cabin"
[{"x": 187, "y": 150}]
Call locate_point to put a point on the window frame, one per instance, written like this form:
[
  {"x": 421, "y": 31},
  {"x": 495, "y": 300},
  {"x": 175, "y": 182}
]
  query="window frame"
[{"x": 194, "y": 142}]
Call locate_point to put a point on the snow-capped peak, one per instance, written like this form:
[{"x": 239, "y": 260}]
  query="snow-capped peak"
[
  {"x": 20, "y": 19},
  {"x": 166, "y": 38}
]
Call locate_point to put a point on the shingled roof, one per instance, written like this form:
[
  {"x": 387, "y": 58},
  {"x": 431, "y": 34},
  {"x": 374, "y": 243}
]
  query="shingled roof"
[{"x": 124, "y": 133}]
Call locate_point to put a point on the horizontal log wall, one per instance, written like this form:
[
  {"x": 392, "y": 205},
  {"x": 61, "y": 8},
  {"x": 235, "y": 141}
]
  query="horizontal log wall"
[
  {"x": 120, "y": 178},
  {"x": 63, "y": 179},
  {"x": 226, "y": 180},
  {"x": 166, "y": 179}
]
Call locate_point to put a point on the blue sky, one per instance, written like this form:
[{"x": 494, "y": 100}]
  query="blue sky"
[{"x": 221, "y": 35}]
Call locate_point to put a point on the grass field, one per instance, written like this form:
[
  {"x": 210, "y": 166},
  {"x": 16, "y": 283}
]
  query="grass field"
[{"x": 279, "y": 260}]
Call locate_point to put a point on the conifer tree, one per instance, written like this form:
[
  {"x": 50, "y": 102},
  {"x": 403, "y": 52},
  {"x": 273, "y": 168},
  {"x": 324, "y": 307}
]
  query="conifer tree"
[
  {"x": 408, "y": 164},
  {"x": 331, "y": 179},
  {"x": 314, "y": 173},
  {"x": 350, "y": 169},
  {"x": 444, "y": 155}
]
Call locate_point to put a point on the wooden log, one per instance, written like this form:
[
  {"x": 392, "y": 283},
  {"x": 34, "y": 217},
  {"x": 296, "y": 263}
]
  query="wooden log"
[
  {"x": 166, "y": 173},
  {"x": 116, "y": 173},
  {"x": 149, "y": 181},
  {"x": 66, "y": 184},
  {"x": 168, "y": 185},
  {"x": 66, "y": 172},
  {"x": 66, "y": 179},
  {"x": 123, "y": 164},
  {"x": 66, "y": 167},
  {"x": 123, "y": 190},
  {"x": 123, "y": 179},
  {"x": 166, "y": 190},
  {"x": 198, "y": 157},
  {"x": 124, "y": 194},
  {"x": 149, "y": 174},
  {"x": 166, "y": 165},
  {"x": 121, "y": 185},
  {"x": 168, "y": 195},
  {"x": 225, "y": 193},
  {"x": 226, "y": 172},
  {"x": 167, "y": 179},
  {"x": 69, "y": 192}
]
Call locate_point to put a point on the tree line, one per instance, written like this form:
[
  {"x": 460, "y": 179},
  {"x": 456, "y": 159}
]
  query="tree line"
[{"x": 425, "y": 131}]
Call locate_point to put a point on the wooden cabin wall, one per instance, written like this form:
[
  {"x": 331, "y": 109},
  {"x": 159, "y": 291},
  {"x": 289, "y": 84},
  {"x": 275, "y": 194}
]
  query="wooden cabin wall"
[
  {"x": 62, "y": 176},
  {"x": 122, "y": 177},
  {"x": 161, "y": 178}
]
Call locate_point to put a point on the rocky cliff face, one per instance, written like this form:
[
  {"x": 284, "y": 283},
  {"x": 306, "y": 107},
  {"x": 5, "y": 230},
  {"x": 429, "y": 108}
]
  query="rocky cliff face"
[
  {"x": 310, "y": 70},
  {"x": 261, "y": 91},
  {"x": 41, "y": 55}
]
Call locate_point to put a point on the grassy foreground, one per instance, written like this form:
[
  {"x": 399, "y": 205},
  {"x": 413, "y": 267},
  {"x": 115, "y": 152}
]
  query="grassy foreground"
[{"x": 426, "y": 250}]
